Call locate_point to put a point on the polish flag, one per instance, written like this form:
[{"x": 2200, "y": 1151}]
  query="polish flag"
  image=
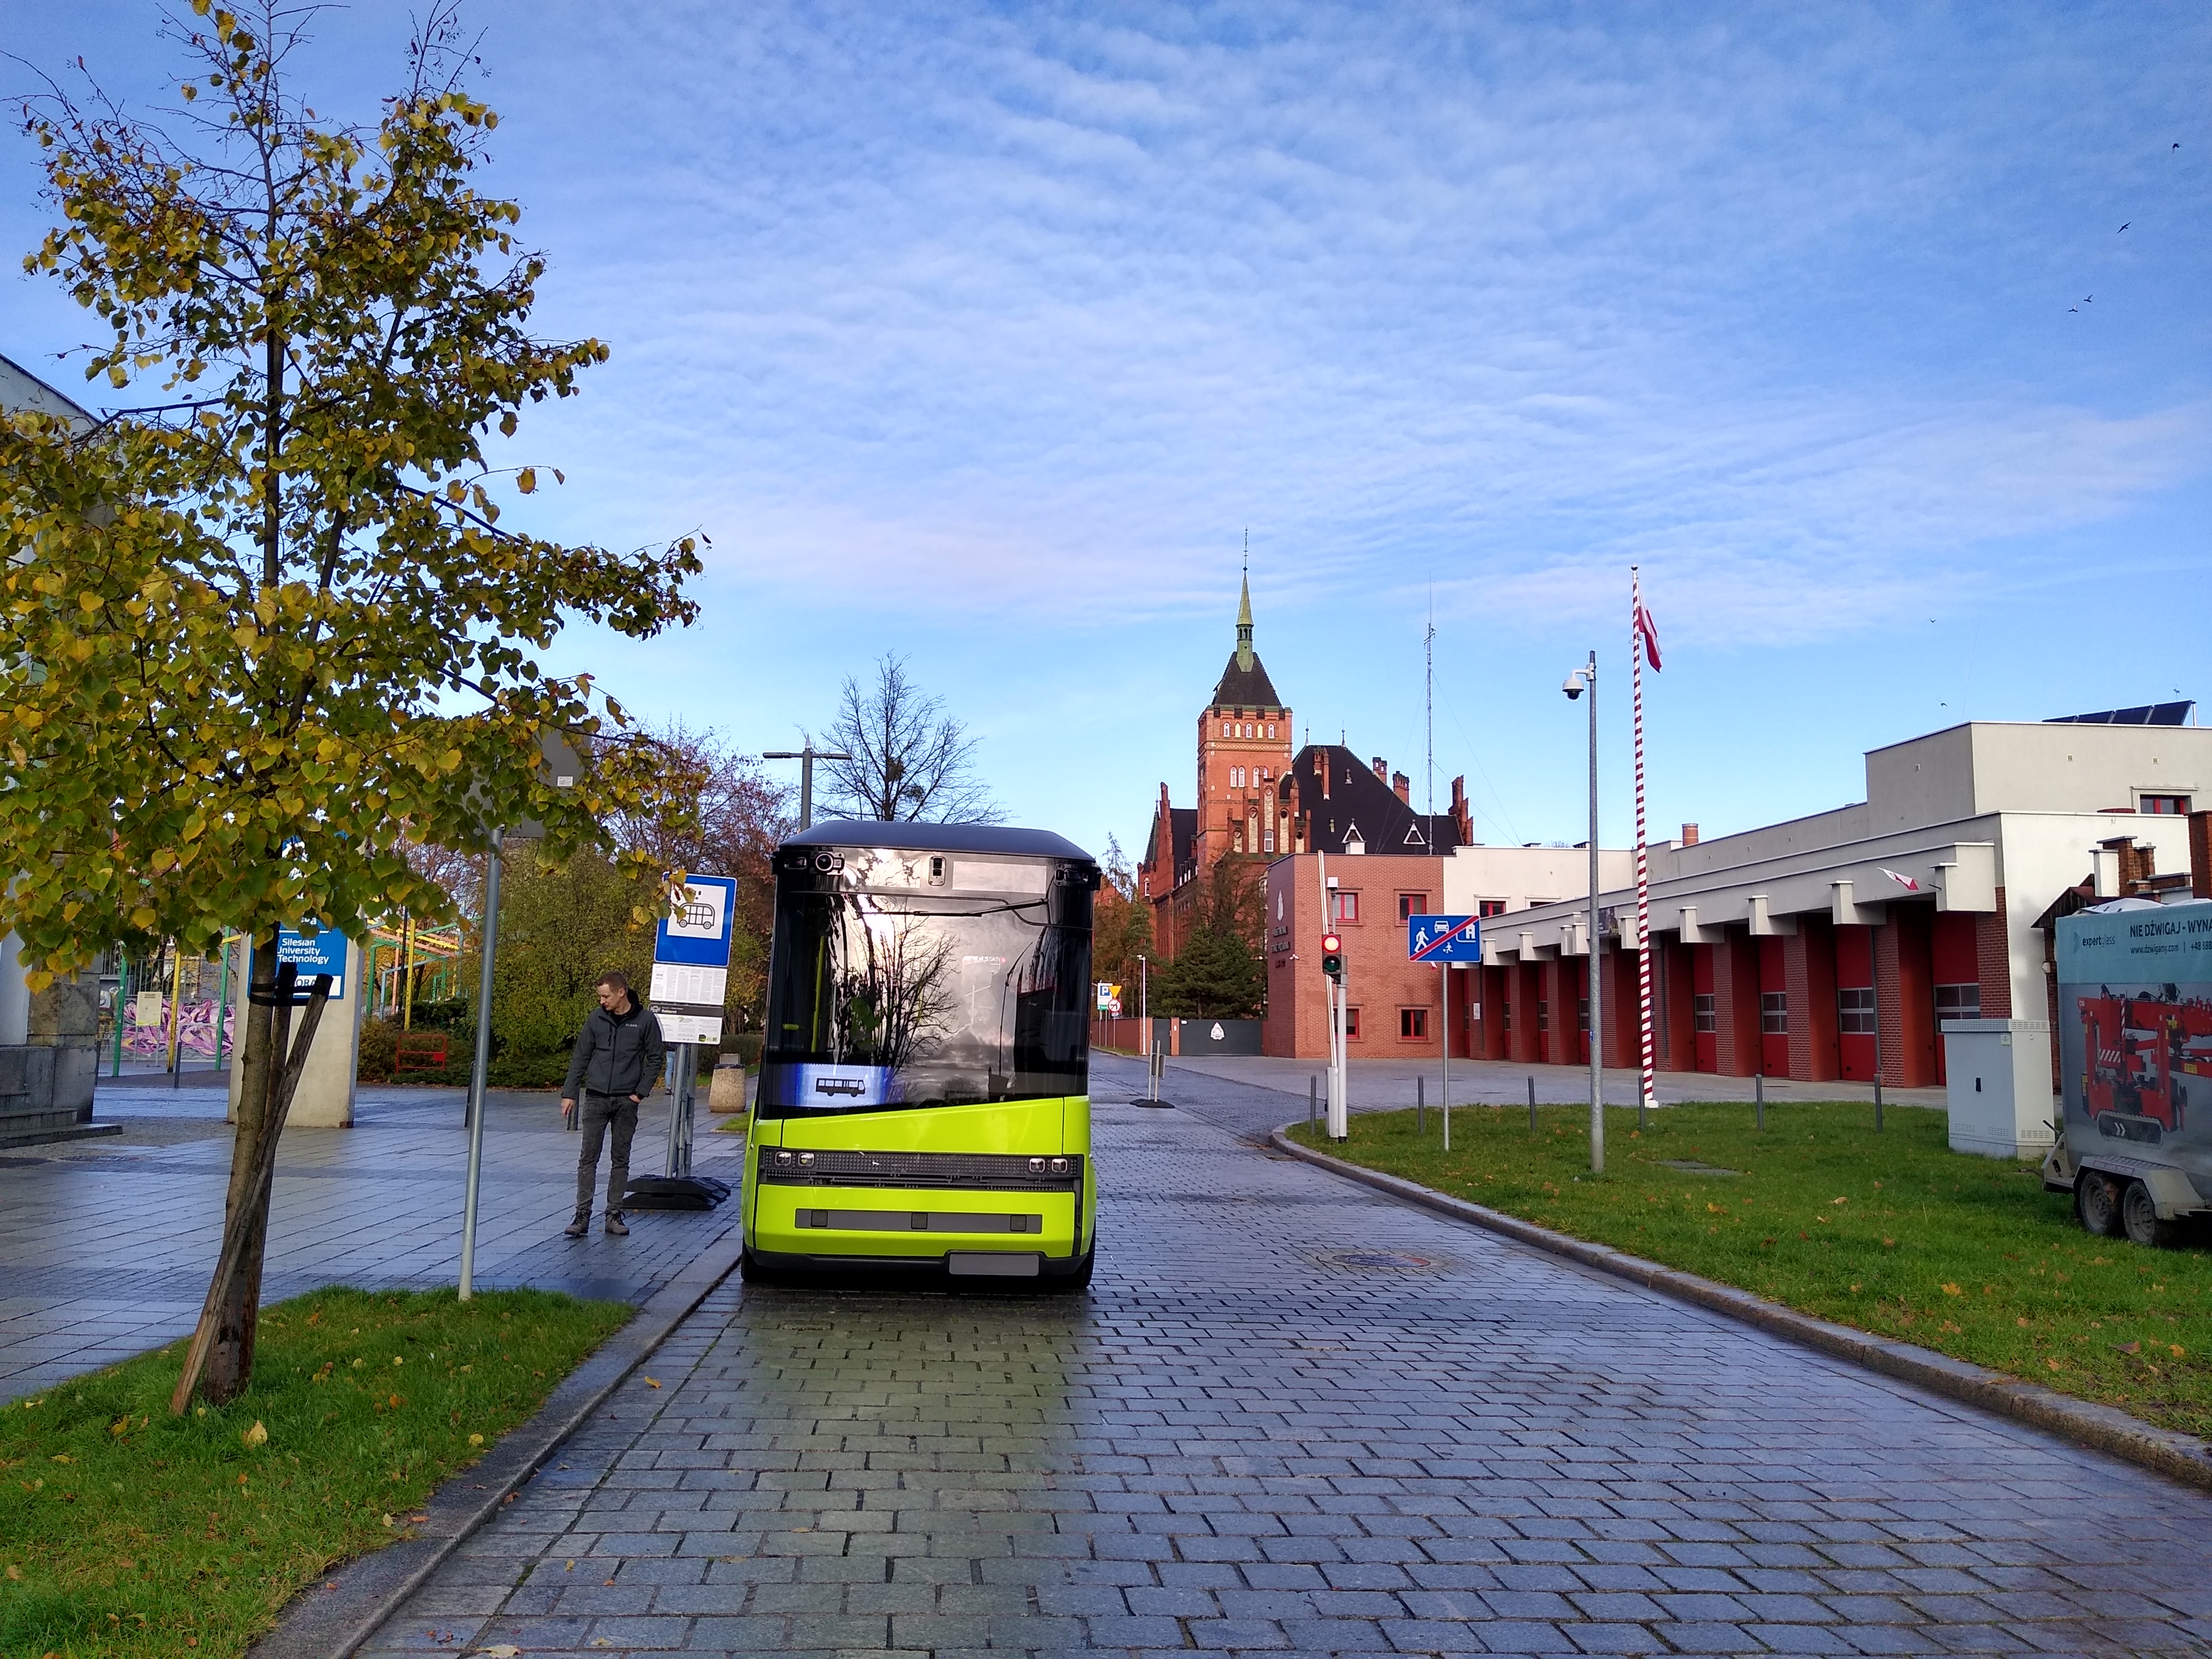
[
  {"x": 1648, "y": 632},
  {"x": 1906, "y": 881}
]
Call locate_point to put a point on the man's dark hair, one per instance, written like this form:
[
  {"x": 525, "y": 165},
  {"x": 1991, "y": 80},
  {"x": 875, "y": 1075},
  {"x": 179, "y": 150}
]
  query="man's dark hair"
[{"x": 614, "y": 979}]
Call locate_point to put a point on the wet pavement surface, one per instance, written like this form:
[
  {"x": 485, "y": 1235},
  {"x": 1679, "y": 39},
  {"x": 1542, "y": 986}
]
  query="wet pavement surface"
[
  {"x": 106, "y": 1245},
  {"x": 1292, "y": 1416}
]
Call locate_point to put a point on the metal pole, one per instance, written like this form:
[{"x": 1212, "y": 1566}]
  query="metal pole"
[
  {"x": 682, "y": 1081},
  {"x": 122, "y": 1000},
  {"x": 1313, "y": 1100},
  {"x": 1532, "y": 1105},
  {"x": 1596, "y": 1024},
  {"x": 222, "y": 1006},
  {"x": 176, "y": 1012},
  {"x": 1447, "y": 1077},
  {"x": 1759, "y": 1096},
  {"x": 407, "y": 971},
  {"x": 481, "y": 1070},
  {"x": 1647, "y": 1094},
  {"x": 1421, "y": 1105}
]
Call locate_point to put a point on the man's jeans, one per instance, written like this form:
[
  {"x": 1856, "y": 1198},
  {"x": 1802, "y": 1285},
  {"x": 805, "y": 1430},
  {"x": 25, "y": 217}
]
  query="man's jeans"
[{"x": 602, "y": 1112}]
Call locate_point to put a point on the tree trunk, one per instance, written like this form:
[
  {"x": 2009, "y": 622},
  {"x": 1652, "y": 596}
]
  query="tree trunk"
[{"x": 220, "y": 1362}]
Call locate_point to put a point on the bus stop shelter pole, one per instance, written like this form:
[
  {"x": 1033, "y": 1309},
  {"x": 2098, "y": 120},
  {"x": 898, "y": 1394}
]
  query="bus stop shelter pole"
[{"x": 480, "y": 1071}]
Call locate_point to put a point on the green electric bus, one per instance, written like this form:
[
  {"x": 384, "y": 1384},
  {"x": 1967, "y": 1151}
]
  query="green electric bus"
[{"x": 925, "y": 1092}]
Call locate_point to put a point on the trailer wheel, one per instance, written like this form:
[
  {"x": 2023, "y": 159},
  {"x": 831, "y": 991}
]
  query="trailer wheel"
[
  {"x": 2097, "y": 1202},
  {"x": 2139, "y": 1214}
]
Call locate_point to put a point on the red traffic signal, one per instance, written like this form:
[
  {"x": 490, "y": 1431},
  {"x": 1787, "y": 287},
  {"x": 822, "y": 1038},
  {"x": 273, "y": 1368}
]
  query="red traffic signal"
[{"x": 1330, "y": 943}]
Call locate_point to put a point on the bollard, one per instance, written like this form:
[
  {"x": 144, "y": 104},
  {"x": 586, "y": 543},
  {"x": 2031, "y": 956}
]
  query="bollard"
[
  {"x": 1759, "y": 1096},
  {"x": 1421, "y": 1106},
  {"x": 1532, "y": 1105},
  {"x": 1313, "y": 1101},
  {"x": 1877, "y": 1102}
]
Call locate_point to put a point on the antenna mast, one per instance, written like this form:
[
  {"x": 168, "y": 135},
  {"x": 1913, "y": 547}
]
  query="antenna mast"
[{"x": 1429, "y": 721}]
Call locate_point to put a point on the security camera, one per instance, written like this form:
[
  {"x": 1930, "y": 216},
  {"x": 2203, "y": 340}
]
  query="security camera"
[{"x": 1573, "y": 687}]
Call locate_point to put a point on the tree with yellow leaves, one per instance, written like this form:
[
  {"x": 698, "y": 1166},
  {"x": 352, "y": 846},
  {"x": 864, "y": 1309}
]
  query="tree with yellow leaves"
[{"x": 265, "y": 629}]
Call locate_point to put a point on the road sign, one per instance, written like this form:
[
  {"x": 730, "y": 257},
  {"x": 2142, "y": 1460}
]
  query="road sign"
[
  {"x": 692, "y": 960},
  {"x": 312, "y": 954},
  {"x": 696, "y": 929},
  {"x": 1443, "y": 939}
]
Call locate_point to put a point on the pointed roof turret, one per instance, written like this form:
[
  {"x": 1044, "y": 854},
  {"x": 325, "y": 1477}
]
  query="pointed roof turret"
[{"x": 1244, "y": 682}]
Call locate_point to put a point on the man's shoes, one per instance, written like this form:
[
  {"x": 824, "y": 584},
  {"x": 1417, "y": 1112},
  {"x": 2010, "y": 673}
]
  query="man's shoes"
[
  {"x": 617, "y": 1225},
  {"x": 581, "y": 1224}
]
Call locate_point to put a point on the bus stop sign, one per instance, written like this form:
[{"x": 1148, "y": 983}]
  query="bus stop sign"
[
  {"x": 692, "y": 960},
  {"x": 1443, "y": 939}
]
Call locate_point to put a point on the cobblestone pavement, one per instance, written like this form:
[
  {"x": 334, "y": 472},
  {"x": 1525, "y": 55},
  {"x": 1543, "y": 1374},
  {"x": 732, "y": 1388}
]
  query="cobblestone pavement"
[
  {"x": 1293, "y": 1416},
  {"x": 106, "y": 1245}
]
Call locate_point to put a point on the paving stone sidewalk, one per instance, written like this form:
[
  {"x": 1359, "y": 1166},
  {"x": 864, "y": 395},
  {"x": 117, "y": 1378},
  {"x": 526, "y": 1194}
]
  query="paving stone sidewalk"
[
  {"x": 1293, "y": 1416},
  {"x": 108, "y": 1243}
]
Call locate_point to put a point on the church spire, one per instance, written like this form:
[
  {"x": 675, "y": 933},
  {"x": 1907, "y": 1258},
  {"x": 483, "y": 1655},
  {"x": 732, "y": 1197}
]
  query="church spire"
[{"x": 1245, "y": 612}]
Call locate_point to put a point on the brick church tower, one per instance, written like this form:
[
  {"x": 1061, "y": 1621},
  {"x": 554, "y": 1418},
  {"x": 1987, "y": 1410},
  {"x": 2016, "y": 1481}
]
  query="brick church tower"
[{"x": 1243, "y": 751}]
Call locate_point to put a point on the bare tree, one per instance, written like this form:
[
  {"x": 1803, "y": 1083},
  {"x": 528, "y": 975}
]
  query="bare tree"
[{"x": 909, "y": 758}]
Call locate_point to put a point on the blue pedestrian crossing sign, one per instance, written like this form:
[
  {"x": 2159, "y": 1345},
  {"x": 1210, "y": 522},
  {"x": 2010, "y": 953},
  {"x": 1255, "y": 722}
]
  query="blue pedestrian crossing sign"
[{"x": 1443, "y": 939}]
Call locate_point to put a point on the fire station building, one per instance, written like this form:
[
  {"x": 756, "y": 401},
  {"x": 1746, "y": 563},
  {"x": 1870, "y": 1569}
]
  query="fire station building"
[{"x": 1830, "y": 947}]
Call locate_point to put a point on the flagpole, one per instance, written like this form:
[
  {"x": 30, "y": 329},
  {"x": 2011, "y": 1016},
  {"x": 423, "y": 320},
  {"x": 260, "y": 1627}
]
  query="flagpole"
[{"x": 1644, "y": 1100}]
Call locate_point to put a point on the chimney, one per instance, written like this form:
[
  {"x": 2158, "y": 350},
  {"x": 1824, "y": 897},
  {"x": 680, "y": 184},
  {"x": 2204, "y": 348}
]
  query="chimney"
[
  {"x": 1382, "y": 769},
  {"x": 2200, "y": 855},
  {"x": 1399, "y": 783},
  {"x": 1689, "y": 834},
  {"x": 2137, "y": 862}
]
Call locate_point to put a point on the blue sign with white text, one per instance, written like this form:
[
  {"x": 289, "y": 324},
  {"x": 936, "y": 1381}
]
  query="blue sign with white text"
[
  {"x": 1443, "y": 939},
  {"x": 696, "y": 930},
  {"x": 322, "y": 953}
]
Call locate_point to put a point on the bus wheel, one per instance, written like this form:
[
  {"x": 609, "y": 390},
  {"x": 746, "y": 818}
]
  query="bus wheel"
[
  {"x": 2097, "y": 1202},
  {"x": 2139, "y": 1214},
  {"x": 752, "y": 1270}
]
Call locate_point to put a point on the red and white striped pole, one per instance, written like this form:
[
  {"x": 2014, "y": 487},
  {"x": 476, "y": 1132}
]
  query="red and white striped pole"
[{"x": 1644, "y": 1101}]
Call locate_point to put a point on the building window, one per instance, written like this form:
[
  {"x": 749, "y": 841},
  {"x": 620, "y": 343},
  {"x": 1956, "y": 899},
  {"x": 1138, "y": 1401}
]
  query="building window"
[
  {"x": 1582, "y": 1016},
  {"x": 1225, "y": 728},
  {"x": 1774, "y": 1014},
  {"x": 1413, "y": 1025},
  {"x": 1343, "y": 906},
  {"x": 1351, "y": 1023},
  {"x": 1958, "y": 1002},
  {"x": 1489, "y": 907},
  {"x": 1412, "y": 904},
  {"x": 1704, "y": 1015},
  {"x": 1267, "y": 840},
  {"x": 1236, "y": 777},
  {"x": 1543, "y": 1015},
  {"x": 1504, "y": 1018},
  {"x": 1271, "y": 728},
  {"x": 1855, "y": 1010},
  {"x": 2176, "y": 805}
]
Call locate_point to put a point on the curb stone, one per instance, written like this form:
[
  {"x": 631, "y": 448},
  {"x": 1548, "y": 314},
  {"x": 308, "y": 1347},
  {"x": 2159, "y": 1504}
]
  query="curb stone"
[
  {"x": 2103, "y": 1428},
  {"x": 358, "y": 1596}
]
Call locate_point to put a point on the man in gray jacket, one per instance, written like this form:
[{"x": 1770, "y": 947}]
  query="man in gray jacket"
[{"x": 617, "y": 1059}]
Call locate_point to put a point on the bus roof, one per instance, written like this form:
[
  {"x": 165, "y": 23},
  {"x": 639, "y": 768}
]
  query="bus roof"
[{"x": 940, "y": 838}]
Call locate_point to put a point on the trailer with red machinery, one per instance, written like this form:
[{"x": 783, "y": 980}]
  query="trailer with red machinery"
[{"x": 2134, "y": 1052}]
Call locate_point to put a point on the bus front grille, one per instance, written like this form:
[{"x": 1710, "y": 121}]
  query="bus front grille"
[{"x": 988, "y": 1172}]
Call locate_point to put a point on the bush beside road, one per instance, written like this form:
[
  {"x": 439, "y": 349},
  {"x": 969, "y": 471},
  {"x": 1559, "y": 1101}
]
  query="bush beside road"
[
  {"x": 1893, "y": 1234},
  {"x": 123, "y": 1530}
]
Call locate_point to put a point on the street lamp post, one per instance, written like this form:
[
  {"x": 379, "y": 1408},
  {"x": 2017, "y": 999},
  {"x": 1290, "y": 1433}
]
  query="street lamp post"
[
  {"x": 807, "y": 757},
  {"x": 1585, "y": 679}
]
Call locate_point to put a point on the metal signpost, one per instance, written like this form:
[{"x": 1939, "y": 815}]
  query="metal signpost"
[
  {"x": 1444, "y": 940},
  {"x": 690, "y": 984}
]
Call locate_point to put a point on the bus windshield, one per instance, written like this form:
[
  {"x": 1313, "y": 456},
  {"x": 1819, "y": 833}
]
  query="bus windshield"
[{"x": 904, "y": 980}]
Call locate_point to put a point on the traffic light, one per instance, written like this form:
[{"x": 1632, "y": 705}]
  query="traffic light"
[{"x": 1332, "y": 956}]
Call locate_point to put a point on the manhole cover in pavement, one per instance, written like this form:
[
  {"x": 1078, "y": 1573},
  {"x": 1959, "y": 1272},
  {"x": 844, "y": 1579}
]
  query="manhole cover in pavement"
[
  {"x": 1691, "y": 1166},
  {"x": 1375, "y": 1261}
]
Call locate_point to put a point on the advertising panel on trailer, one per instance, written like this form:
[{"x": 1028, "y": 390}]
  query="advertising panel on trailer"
[
  {"x": 924, "y": 1098},
  {"x": 2135, "y": 1057}
]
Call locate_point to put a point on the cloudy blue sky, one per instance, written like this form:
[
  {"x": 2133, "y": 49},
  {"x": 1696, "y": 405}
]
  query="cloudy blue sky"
[{"x": 984, "y": 334}]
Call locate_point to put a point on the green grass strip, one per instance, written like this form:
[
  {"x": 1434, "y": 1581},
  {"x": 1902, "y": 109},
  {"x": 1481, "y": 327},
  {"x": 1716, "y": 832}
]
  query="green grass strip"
[
  {"x": 125, "y": 1531},
  {"x": 1892, "y": 1233}
]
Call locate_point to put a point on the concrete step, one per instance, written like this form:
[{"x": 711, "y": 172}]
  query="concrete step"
[{"x": 30, "y": 1129}]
